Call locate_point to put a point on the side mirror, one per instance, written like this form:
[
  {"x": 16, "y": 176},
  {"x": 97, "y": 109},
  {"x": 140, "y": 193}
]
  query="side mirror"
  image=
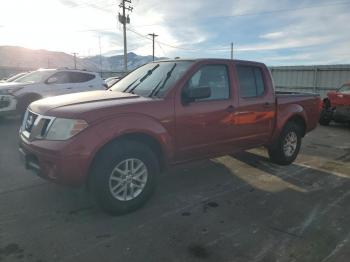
[
  {"x": 191, "y": 95},
  {"x": 51, "y": 80}
]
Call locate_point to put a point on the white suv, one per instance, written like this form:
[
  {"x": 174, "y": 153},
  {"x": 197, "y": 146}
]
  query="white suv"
[{"x": 16, "y": 96}]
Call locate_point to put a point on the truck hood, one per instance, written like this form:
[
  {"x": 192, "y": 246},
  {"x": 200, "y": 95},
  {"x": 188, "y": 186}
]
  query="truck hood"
[{"x": 73, "y": 105}]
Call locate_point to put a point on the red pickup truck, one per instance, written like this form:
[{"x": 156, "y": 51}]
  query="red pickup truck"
[
  {"x": 163, "y": 113},
  {"x": 336, "y": 106}
]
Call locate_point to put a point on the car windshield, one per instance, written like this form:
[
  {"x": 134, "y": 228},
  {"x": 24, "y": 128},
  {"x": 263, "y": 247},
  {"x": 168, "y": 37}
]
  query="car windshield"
[
  {"x": 153, "y": 79},
  {"x": 34, "y": 77},
  {"x": 15, "y": 77},
  {"x": 345, "y": 88}
]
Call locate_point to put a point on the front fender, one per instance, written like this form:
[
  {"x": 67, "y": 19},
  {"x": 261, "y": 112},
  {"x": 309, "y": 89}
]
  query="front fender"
[{"x": 112, "y": 128}]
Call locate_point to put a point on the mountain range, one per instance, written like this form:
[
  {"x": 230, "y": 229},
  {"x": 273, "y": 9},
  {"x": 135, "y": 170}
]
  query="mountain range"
[{"x": 20, "y": 57}]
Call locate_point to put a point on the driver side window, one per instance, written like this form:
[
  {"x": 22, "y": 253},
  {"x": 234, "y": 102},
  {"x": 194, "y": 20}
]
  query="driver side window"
[{"x": 213, "y": 76}]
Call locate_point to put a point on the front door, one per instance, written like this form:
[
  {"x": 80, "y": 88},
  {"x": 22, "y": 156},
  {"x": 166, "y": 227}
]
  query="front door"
[{"x": 203, "y": 127}]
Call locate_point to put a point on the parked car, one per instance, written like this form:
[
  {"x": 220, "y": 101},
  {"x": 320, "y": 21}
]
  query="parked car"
[
  {"x": 336, "y": 107},
  {"x": 16, "y": 96},
  {"x": 112, "y": 80},
  {"x": 161, "y": 114}
]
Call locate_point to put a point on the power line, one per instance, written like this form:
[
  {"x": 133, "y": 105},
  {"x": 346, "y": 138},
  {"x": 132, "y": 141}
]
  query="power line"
[
  {"x": 161, "y": 48},
  {"x": 93, "y": 4},
  {"x": 263, "y": 12},
  {"x": 281, "y": 10},
  {"x": 177, "y": 47},
  {"x": 242, "y": 14}
]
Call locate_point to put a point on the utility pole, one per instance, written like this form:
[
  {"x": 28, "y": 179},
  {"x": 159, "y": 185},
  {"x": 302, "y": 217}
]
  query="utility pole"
[
  {"x": 231, "y": 50},
  {"x": 75, "y": 60},
  {"x": 153, "y": 36},
  {"x": 125, "y": 20}
]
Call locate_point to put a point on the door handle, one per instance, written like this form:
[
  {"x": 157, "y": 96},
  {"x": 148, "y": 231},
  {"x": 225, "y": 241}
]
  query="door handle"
[{"x": 230, "y": 109}]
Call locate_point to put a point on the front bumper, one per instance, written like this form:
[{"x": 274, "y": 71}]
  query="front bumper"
[
  {"x": 8, "y": 105},
  {"x": 49, "y": 160}
]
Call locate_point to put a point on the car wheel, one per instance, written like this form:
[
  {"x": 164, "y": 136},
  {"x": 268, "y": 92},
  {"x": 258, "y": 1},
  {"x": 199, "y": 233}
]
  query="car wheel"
[
  {"x": 324, "y": 120},
  {"x": 286, "y": 149},
  {"x": 124, "y": 176}
]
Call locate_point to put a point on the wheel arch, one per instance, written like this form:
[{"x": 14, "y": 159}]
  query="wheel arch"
[
  {"x": 299, "y": 120},
  {"x": 140, "y": 137}
]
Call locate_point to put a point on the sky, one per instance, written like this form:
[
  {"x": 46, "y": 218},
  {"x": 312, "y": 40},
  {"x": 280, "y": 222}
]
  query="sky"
[{"x": 284, "y": 32}]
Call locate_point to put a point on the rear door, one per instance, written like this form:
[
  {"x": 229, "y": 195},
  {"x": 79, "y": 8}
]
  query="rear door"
[
  {"x": 81, "y": 81},
  {"x": 57, "y": 84},
  {"x": 255, "y": 114},
  {"x": 203, "y": 127}
]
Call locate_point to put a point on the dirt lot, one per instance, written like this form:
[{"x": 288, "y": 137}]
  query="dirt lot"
[{"x": 234, "y": 208}]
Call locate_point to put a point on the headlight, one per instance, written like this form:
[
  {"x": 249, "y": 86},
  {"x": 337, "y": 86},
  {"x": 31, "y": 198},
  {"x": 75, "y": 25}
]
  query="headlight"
[{"x": 63, "y": 129}]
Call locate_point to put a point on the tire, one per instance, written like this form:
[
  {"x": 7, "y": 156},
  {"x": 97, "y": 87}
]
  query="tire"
[
  {"x": 324, "y": 121},
  {"x": 109, "y": 175},
  {"x": 282, "y": 154}
]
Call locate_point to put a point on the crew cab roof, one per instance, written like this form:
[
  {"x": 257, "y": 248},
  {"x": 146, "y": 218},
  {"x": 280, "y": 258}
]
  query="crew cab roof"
[{"x": 210, "y": 59}]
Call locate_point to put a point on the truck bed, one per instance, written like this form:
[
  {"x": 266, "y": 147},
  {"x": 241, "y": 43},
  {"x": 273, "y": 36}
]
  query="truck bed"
[
  {"x": 289, "y": 93},
  {"x": 286, "y": 100}
]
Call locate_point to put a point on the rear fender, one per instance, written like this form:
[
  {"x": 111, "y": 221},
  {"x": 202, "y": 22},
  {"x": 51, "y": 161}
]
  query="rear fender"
[{"x": 288, "y": 113}]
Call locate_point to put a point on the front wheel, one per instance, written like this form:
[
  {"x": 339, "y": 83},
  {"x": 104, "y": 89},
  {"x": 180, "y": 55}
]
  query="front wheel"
[
  {"x": 124, "y": 176},
  {"x": 287, "y": 147},
  {"x": 324, "y": 118}
]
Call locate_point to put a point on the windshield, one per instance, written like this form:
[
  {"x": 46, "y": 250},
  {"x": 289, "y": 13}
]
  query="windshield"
[
  {"x": 345, "y": 89},
  {"x": 152, "y": 79},
  {"x": 13, "y": 78},
  {"x": 34, "y": 77}
]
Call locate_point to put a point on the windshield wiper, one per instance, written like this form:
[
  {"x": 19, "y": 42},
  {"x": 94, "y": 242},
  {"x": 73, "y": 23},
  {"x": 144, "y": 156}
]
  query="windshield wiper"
[
  {"x": 149, "y": 72},
  {"x": 126, "y": 89},
  {"x": 156, "y": 90}
]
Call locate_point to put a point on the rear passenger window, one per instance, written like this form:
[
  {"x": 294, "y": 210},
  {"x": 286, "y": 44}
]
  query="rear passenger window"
[
  {"x": 251, "y": 83},
  {"x": 78, "y": 77},
  {"x": 213, "y": 76}
]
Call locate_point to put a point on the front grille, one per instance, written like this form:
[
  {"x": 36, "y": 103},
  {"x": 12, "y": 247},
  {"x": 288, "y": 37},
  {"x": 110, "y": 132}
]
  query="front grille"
[
  {"x": 29, "y": 121},
  {"x": 4, "y": 102},
  {"x": 46, "y": 123},
  {"x": 35, "y": 126}
]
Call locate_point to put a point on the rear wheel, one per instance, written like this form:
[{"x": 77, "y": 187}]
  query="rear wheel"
[
  {"x": 124, "y": 176},
  {"x": 286, "y": 148}
]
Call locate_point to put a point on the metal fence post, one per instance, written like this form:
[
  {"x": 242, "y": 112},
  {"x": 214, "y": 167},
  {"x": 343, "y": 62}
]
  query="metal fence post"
[{"x": 315, "y": 79}]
